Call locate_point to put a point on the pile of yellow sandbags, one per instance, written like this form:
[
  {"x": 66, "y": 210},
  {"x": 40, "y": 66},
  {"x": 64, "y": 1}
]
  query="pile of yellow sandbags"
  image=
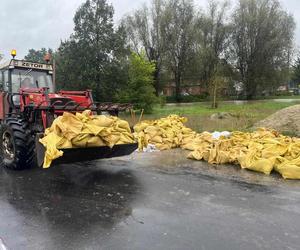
[
  {"x": 165, "y": 133},
  {"x": 262, "y": 151},
  {"x": 84, "y": 130}
]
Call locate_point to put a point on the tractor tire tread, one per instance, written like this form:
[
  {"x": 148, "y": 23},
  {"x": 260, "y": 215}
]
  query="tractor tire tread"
[{"x": 24, "y": 144}]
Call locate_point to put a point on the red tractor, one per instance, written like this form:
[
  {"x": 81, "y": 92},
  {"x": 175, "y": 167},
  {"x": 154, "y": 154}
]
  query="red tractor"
[{"x": 29, "y": 104}]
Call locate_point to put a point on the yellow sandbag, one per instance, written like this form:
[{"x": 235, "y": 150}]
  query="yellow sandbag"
[
  {"x": 141, "y": 140},
  {"x": 156, "y": 139},
  {"x": 261, "y": 165},
  {"x": 197, "y": 155},
  {"x": 92, "y": 129},
  {"x": 293, "y": 150},
  {"x": 50, "y": 143},
  {"x": 111, "y": 139},
  {"x": 102, "y": 121},
  {"x": 95, "y": 141},
  {"x": 124, "y": 139},
  {"x": 152, "y": 131},
  {"x": 55, "y": 127},
  {"x": 51, "y": 154},
  {"x": 106, "y": 132},
  {"x": 64, "y": 143},
  {"x": 223, "y": 157},
  {"x": 84, "y": 116},
  {"x": 81, "y": 140},
  {"x": 271, "y": 150},
  {"x": 124, "y": 125},
  {"x": 70, "y": 125},
  {"x": 140, "y": 126},
  {"x": 289, "y": 169}
]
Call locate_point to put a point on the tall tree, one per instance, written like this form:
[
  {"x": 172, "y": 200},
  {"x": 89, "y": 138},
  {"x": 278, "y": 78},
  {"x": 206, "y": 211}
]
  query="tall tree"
[
  {"x": 178, "y": 35},
  {"x": 144, "y": 34},
  {"x": 213, "y": 32},
  {"x": 262, "y": 42},
  {"x": 296, "y": 72},
  {"x": 68, "y": 66},
  {"x": 92, "y": 57},
  {"x": 38, "y": 55}
]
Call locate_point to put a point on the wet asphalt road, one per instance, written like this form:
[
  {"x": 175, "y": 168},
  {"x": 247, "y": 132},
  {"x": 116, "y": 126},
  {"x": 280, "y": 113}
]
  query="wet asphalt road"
[{"x": 148, "y": 201}]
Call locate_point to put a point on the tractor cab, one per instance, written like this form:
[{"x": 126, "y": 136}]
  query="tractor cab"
[{"x": 19, "y": 74}]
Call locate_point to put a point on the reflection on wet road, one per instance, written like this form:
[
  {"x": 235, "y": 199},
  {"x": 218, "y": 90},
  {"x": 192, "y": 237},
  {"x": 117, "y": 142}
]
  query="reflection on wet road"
[{"x": 148, "y": 201}]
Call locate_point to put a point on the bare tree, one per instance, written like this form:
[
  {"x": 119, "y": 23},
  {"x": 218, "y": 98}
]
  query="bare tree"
[
  {"x": 219, "y": 81},
  {"x": 213, "y": 31},
  {"x": 144, "y": 34},
  {"x": 262, "y": 42},
  {"x": 178, "y": 36}
]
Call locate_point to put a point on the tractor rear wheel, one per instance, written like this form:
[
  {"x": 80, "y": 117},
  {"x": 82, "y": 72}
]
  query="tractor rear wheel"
[{"x": 17, "y": 146}]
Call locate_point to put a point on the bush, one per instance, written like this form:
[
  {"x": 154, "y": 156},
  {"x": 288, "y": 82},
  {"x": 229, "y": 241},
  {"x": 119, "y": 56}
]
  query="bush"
[
  {"x": 189, "y": 98},
  {"x": 139, "y": 90},
  {"x": 162, "y": 101},
  {"x": 283, "y": 93}
]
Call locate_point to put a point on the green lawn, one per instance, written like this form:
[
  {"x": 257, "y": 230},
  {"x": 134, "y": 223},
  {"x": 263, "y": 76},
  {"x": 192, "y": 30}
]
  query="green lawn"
[
  {"x": 255, "y": 107},
  {"x": 244, "y": 115}
]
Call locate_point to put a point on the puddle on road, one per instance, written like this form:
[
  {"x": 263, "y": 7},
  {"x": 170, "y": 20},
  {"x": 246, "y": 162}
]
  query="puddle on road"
[{"x": 70, "y": 198}]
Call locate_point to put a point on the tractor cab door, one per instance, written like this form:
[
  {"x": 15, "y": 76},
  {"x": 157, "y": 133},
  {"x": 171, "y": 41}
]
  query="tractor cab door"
[{"x": 4, "y": 85}]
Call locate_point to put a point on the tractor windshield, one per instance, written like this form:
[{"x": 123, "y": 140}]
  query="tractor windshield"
[{"x": 30, "y": 78}]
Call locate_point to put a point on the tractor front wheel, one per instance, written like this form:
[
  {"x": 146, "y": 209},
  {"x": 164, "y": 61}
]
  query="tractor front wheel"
[{"x": 17, "y": 146}]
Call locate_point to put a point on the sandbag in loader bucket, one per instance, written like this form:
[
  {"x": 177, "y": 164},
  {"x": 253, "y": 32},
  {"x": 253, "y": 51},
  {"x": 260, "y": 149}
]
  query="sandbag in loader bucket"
[
  {"x": 84, "y": 137},
  {"x": 74, "y": 155}
]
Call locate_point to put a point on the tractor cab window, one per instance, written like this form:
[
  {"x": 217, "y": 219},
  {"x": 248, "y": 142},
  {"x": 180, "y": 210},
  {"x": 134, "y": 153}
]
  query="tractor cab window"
[{"x": 29, "y": 78}]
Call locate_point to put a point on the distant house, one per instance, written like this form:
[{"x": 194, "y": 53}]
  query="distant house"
[
  {"x": 186, "y": 89},
  {"x": 292, "y": 87},
  {"x": 283, "y": 88},
  {"x": 238, "y": 87}
]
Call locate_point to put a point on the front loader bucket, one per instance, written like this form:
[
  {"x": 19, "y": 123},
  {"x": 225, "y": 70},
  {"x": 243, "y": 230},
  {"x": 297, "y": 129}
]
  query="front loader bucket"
[{"x": 86, "y": 154}]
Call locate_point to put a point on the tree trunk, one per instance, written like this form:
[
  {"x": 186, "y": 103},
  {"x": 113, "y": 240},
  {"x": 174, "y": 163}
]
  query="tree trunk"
[
  {"x": 178, "y": 86},
  {"x": 156, "y": 82},
  {"x": 250, "y": 89},
  {"x": 214, "y": 104}
]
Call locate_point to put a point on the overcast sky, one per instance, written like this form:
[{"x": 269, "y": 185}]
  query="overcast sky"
[{"x": 26, "y": 24}]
